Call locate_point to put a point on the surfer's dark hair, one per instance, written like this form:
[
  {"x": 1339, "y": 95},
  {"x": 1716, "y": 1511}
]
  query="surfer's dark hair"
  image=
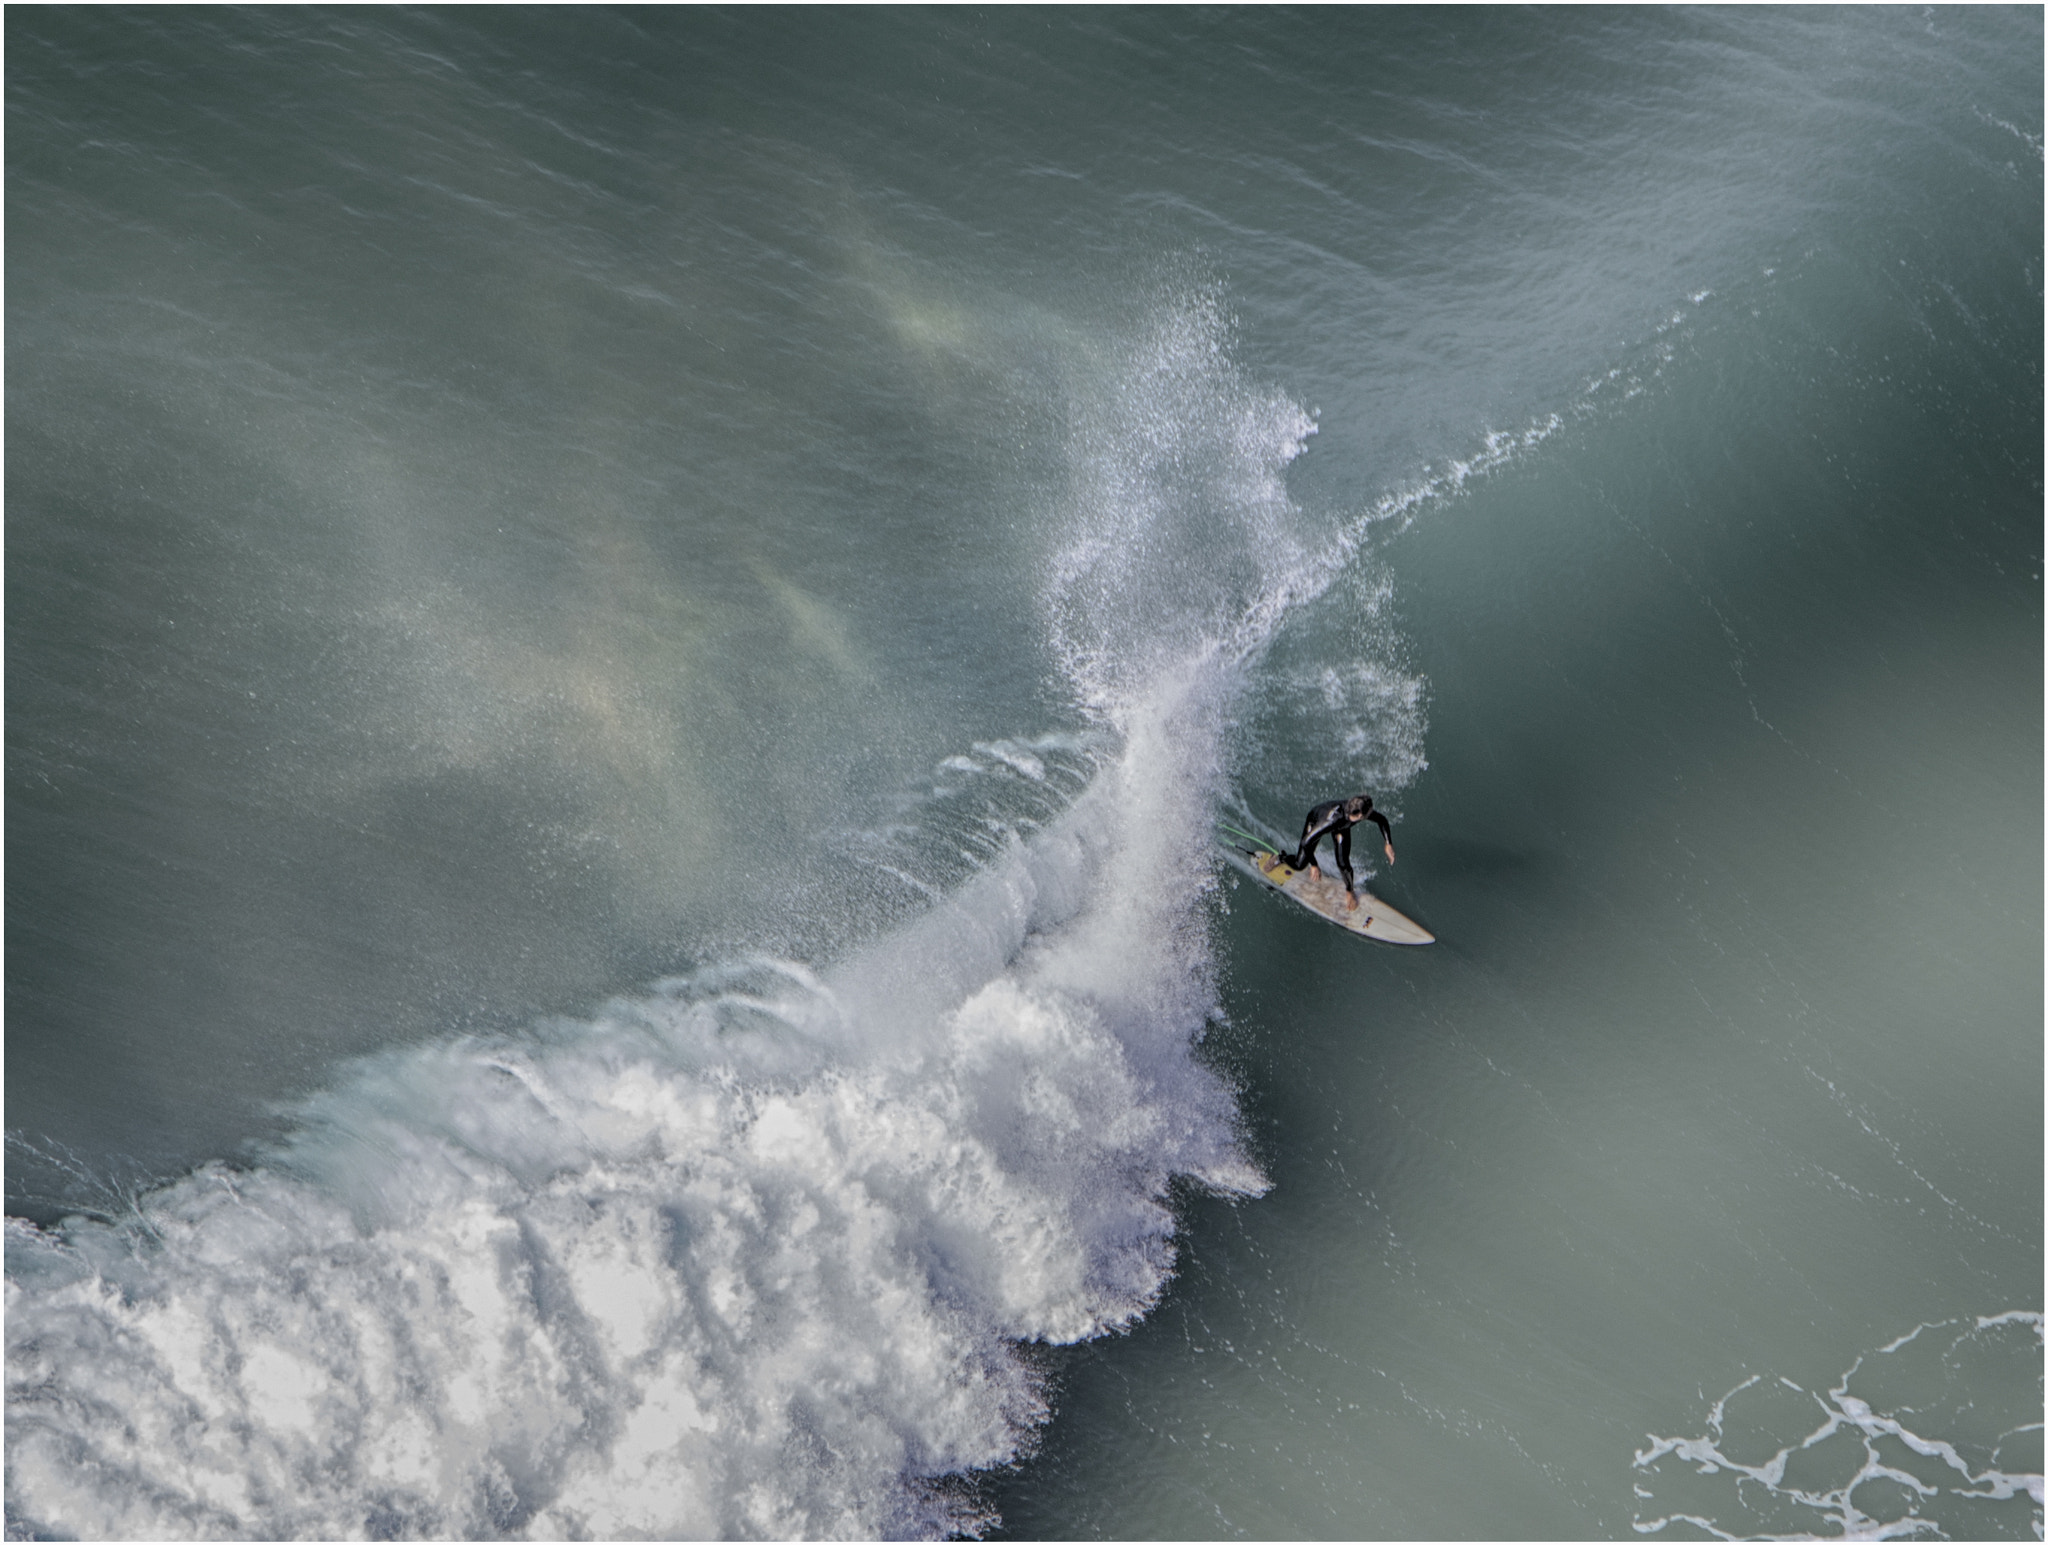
[{"x": 1357, "y": 805}]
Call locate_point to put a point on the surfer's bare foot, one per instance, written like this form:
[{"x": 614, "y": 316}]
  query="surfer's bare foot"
[{"x": 1351, "y": 902}]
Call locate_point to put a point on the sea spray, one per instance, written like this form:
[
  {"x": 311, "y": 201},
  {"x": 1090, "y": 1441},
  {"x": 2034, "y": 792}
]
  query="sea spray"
[{"x": 1183, "y": 542}]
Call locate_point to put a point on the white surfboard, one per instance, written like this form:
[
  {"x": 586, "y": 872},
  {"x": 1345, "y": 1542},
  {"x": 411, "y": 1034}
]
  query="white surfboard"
[{"x": 1372, "y": 919}]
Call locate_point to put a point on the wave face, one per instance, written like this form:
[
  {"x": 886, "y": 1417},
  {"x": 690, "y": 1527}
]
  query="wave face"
[{"x": 753, "y": 1254}]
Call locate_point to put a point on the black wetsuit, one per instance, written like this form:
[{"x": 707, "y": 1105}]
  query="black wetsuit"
[{"x": 1330, "y": 820}]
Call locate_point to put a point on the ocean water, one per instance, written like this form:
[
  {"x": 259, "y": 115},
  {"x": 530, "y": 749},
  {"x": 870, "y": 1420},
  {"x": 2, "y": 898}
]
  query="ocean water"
[{"x": 626, "y": 634}]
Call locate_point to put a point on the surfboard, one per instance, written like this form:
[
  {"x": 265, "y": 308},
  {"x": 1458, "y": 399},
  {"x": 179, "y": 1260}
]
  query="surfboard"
[{"x": 1373, "y": 919}]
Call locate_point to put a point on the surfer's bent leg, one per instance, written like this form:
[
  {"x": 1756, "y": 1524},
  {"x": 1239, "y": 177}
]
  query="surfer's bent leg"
[
  {"x": 1321, "y": 821},
  {"x": 1306, "y": 858},
  {"x": 1341, "y": 841},
  {"x": 1305, "y": 855}
]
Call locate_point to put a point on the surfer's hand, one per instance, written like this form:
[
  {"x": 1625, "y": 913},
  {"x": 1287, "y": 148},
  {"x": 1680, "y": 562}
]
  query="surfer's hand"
[{"x": 1390, "y": 851}]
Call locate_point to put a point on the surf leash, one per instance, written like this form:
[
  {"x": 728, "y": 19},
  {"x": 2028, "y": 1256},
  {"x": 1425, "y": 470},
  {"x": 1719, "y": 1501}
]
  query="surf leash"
[{"x": 1237, "y": 831}]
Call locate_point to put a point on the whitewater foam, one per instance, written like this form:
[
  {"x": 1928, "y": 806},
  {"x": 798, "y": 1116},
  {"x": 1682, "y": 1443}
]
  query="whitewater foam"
[
  {"x": 750, "y": 1255},
  {"x": 1868, "y": 1468}
]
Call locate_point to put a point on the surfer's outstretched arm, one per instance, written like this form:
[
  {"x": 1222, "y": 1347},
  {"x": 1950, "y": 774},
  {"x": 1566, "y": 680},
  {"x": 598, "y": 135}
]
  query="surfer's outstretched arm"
[{"x": 1386, "y": 832}]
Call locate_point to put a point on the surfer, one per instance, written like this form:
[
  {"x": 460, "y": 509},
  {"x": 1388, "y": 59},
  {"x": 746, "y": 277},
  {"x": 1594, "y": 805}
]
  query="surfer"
[{"x": 1335, "y": 820}]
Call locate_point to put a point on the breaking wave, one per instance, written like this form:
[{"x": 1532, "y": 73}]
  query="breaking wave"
[{"x": 754, "y": 1253}]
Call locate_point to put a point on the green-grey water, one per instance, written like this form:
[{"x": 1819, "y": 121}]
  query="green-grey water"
[{"x": 625, "y": 633}]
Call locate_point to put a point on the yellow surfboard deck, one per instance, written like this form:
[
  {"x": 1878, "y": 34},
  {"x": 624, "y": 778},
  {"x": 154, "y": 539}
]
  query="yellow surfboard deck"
[{"x": 1373, "y": 919}]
